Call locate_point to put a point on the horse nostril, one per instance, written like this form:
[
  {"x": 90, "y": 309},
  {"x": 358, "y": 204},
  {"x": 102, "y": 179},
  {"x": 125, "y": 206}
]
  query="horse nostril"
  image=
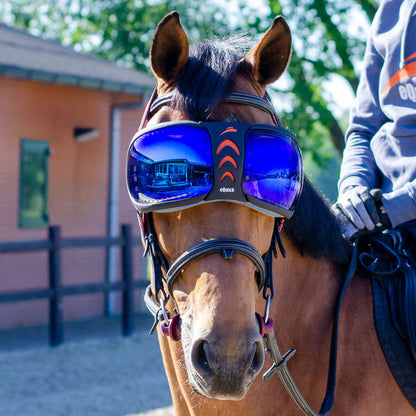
[
  {"x": 258, "y": 358},
  {"x": 200, "y": 359}
]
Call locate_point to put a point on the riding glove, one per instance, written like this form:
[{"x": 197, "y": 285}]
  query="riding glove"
[
  {"x": 359, "y": 206},
  {"x": 363, "y": 208}
]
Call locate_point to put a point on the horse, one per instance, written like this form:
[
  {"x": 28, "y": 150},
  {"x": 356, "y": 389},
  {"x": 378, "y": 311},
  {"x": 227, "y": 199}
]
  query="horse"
[{"x": 212, "y": 305}]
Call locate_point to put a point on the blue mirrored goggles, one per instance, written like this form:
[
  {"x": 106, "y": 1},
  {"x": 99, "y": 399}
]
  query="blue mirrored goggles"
[{"x": 180, "y": 164}]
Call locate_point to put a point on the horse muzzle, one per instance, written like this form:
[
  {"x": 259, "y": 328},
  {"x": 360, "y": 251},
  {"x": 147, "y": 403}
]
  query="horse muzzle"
[{"x": 225, "y": 367}]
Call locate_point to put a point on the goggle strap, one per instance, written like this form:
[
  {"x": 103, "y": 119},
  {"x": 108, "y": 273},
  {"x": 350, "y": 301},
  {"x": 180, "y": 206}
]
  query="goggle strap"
[
  {"x": 234, "y": 97},
  {"x": 278, "y": 226},
  {"x": 253, "y": 100},
  {"x": 147, "y": 110},
  {"x": 158, "y": 102}
]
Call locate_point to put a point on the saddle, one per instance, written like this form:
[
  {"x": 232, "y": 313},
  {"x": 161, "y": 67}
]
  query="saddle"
[{"x": 383, "y": 258}]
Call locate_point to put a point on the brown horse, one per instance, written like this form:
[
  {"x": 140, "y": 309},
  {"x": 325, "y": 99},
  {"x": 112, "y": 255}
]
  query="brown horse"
[{"x": 214, "y": 369}]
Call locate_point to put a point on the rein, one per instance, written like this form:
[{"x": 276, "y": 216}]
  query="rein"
[
  {"x": 156, "y": 298},
  {"x": 280, "y": 361}
]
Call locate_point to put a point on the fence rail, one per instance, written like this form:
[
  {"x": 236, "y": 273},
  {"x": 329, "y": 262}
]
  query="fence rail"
[{"x": 56, "y": 290}]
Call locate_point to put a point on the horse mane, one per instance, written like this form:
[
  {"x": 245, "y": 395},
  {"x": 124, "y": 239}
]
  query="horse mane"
[
  {"x": 206, "y": 78},
  {"x": 314, "y": 230}
]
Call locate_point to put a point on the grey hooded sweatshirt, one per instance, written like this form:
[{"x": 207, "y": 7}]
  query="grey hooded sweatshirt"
[{"x": 380, "y": 147}]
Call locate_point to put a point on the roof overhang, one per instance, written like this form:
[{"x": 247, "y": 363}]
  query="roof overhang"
[{"x": 75, "y": 81}]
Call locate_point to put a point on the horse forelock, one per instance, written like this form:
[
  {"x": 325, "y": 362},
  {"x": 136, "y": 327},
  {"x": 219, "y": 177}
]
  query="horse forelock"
[
  {"x": 208, "y": 76},
  {"x": 314, "y": 230}
]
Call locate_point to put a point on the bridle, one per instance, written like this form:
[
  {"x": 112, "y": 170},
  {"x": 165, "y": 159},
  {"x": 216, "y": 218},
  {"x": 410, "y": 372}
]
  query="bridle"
[
  {"x": 156, "y": 298},
  {"x": 226, "y": 247}
]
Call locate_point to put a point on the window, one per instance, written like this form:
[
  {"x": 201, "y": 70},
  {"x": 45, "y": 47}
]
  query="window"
[{"x": 33, "y": 207}]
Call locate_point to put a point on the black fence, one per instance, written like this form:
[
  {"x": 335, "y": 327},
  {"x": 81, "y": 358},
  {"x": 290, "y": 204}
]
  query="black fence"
[{"x": 56, "y": 290}]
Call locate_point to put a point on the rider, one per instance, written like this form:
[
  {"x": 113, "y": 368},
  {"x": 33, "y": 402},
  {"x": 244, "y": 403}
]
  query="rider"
[{"x": 380, "y": 147}]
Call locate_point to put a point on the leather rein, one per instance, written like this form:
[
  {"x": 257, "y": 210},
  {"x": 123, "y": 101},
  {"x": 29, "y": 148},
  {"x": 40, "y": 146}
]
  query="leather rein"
[{"x": 156, "y": 298}]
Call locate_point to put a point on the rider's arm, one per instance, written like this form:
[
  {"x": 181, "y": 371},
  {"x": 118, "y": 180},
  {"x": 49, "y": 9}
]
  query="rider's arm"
[{"x": 366, "y": 117}]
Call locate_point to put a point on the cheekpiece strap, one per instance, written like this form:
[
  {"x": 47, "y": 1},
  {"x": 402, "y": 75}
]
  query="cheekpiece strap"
[
  {"x": 151, "y": 247},
  {"x": 268, "y": 290}
]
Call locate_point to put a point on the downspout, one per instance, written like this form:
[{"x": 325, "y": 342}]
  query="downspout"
[{"x": 112, "y": 254}]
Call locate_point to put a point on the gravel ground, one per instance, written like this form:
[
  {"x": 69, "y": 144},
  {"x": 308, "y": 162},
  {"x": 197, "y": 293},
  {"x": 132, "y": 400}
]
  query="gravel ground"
[{"x": 107, "y": 376}]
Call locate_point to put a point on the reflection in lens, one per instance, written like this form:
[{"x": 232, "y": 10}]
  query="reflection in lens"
[
  {"x": 273, "y": 168},
  {"x": 170, "y": 164}
]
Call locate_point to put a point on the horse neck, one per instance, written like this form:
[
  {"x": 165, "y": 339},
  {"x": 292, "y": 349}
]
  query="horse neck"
[{"x": 306, "y": 293}]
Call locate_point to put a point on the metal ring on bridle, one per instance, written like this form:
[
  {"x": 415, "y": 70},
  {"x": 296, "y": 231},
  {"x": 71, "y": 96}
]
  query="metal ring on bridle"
[{"x": 217, "y": 246}]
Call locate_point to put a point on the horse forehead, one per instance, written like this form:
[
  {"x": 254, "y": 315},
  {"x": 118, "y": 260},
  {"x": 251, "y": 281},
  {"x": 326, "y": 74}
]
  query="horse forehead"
[
  {"x": 242, "y": 113},
  {"x": 180, "y": 230},
  {"x": 211, "y": 219},
  {"x": 243, "y": 83}
]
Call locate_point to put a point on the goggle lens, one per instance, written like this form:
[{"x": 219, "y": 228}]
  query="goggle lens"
[
  {"x": 272, "y": 169},
  {"x": 170, "y": 164}
]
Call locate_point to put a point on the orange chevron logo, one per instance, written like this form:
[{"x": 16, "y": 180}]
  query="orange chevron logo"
[
  {"x": 228, "y": 159},
  {"x": 229, "y": 174},
  {"x": 229, "y": 130},
  {"x": 228, "y": 143}
]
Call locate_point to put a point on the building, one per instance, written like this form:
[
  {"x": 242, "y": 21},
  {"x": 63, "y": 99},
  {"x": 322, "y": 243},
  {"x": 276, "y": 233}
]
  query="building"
[{"x": 66, "y": 120}]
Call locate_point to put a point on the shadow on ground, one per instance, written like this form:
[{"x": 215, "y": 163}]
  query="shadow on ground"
[{"x": 95, "y": 372}]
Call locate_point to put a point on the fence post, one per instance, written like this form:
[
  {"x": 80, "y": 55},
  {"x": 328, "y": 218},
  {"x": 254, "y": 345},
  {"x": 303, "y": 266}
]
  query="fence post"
[
  {"x": 55, "y": 307},
  {"x": 127, "y": 272}
]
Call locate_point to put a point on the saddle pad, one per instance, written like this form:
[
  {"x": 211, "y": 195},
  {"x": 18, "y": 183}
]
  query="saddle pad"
[{"x": 395, "y": 348}]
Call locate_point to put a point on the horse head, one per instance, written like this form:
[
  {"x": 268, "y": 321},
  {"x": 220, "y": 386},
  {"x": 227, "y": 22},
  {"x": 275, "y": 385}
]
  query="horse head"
[{"x": 217, "y": 295}]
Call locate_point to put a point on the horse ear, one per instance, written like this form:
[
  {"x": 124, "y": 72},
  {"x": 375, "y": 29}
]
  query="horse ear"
[
  {"x": 170, "y": 48},
  {"x": 269, "y": 58}
]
